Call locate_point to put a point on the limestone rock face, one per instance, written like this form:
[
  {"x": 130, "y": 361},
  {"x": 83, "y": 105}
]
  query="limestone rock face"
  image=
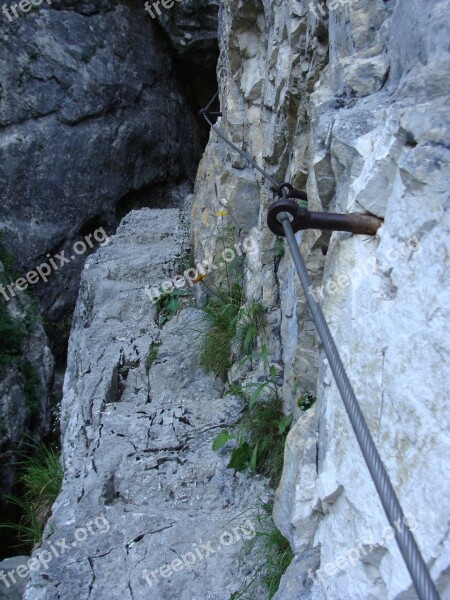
[
  {"x": 13, "y": 592},
  {"x": 92, "y": 110},
  {"x": 137, "y": 436},
  {"x": 347, "y": 101}
]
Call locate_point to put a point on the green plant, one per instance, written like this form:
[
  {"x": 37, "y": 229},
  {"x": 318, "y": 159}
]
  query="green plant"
[
  {"x": 271, "y": 550},
  {"x": 152, "y": 355},
  {"x": 252, "y": 320},
  {"x": 168, "y": 304},
  {"x": 236, "y": 389},
  {"x": 260, "y": 440},
  {"x": 223, "y": 310},
  {"x": 306, "y": 400},
  {"x": 268, "y": 387},
  {"x": 41, "y": 478},
  {"x": 279, "y": 247},
  {"x": 222, "y": 315},
  {"x": 262, "y": 432}
]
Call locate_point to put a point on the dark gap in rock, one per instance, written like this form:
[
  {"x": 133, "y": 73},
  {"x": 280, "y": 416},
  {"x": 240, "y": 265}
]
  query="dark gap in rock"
[
  {"x": 195, "y": 63},
  {"x": 322, "y": 34},
  {"x": 169, "y": 195},
  {"x": 58, "y": 318}
]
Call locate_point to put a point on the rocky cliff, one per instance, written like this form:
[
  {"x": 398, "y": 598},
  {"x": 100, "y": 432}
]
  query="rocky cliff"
[
  {"x": 348, "y": 102},
  {"x": 138, "y": 419},
  {"x": 26, "y": 382},
  {"x": 95, "y": 111},
  {"x": 97, "y": 116}
]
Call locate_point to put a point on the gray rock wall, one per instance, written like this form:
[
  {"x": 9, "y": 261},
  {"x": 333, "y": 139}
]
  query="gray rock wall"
[
  {"x": 96, "y": 117},
  {"x": 26, "y": 382},
  {"x": 92, "y": 110},
  {"x": 348, "y": 103}
]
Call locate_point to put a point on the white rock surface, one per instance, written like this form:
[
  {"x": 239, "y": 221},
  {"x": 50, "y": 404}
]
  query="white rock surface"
[
  {"x": 354, "y": 109},
  {"x": 142, "y": 486}
]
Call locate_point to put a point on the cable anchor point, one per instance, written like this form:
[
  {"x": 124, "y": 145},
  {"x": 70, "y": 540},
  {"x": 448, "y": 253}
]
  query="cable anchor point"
[{"x": 302, "y": 218}]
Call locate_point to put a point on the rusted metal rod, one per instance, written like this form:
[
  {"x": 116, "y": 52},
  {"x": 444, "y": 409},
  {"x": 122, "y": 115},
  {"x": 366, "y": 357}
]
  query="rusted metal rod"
[{"x": 306, "y": 219}]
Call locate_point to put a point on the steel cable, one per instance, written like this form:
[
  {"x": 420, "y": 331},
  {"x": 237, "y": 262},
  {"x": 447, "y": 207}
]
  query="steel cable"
[
  {"x": 415, "y": 563},
  {"x": 241, "y": 152}
]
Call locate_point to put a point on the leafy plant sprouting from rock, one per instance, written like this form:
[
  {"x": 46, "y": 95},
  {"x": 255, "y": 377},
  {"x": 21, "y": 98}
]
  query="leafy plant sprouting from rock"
[
  {"x": 279, "y": 249},
  {"x": 168, "y": 304},
  {"x": 260, "y": 440},
  {"x": 306, "y": 400},
  {"x": 236, "y": 389},
  {"x": 261, "y": 436},
  {"x": 41, "y": 477},
  {"x": 152, "y": 355}
]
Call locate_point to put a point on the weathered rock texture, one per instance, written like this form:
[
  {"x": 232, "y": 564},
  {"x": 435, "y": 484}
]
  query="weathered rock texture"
[
  {"x": 13, "y": 592},
  {"x": 136, "y": 444},
  {"x": 350, "y": 104},
  {"x": 25, "y": 394},
  {"x": 94, "y": 114}
]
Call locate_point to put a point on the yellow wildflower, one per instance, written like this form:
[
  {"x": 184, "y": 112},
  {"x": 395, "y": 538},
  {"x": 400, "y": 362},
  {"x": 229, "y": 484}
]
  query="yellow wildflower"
[
  {"x": 222, "y": 213},
  {"x": 199, "y": 278}
]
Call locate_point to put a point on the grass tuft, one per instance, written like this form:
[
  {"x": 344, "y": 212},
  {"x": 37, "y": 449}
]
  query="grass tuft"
[
  {"x": 222, "y": 314},
  {"x": 41, "y": 477},
  {"x": 272, "y": 552},
  {"x": 252, "y": 321},
  {"x": 266, "y": 427},
  {"x": 168, "y": 304},
  {"x": 263, "y": 429}
]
